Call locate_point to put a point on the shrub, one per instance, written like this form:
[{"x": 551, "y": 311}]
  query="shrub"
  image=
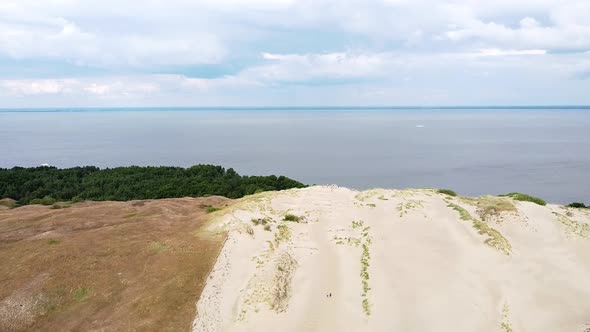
[
  {"x": 211, "y": 209},
  {"x": 525, "y": 198},
  {"x": 81, "y": 293},
  {"x": 292, "y": 217},
  {"x": 47, "y": 200},
  {"x": 447, "y": 192},
  {"x": 577, "y": 205},
  {"x": 261, "y": 221},
  {"x": 267, "y": 227},
  {"x": 7, "y": 202}
]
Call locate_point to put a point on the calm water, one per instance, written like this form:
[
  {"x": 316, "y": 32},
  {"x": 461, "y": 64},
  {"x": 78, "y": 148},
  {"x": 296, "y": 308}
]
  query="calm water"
[{"x": 541, "y": 152}]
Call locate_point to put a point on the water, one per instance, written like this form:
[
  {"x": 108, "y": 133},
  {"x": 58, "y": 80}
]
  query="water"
[{"x": 543, "y": 152}]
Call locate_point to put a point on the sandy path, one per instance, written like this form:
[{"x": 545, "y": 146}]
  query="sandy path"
[{"x": 324, "y": 315}]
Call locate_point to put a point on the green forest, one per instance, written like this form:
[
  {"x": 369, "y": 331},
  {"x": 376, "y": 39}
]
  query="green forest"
[{"x": 46, "y": 185}]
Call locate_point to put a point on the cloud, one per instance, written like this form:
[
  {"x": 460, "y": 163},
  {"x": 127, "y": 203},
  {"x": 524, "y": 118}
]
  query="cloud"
[
  {"x": 36, "y": 87},
  {"x": 499, "y": 52},
  {"x": 38, "y": 36},
  {"x": 111, "y": 87},
  {"x": 217, "y": 51},
  {"x": 302, "y": 67},
  {"x": 529, "y": 34}
]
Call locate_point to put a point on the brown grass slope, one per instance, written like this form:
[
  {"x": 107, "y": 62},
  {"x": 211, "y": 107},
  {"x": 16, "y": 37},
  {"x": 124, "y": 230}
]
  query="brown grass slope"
[{"x": 116, "y": 266}]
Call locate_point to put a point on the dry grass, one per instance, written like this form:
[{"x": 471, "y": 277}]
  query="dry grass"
[
  {"x": 281, "y": 292},
  {"x": 282, "y": 234},
  {"x": 493, "y": 238},
  {"x": 365, "y": 261},
  {"x": 506, "y": 326},
  {"x": 7, "y": 203},
  {"x": 90, "y": 267},
  {"x": 261, "y": 221},
  {"x": 572, "y": 227},
  {"x": 491, "y": 208},
  {"x": 405, "y": 208}
]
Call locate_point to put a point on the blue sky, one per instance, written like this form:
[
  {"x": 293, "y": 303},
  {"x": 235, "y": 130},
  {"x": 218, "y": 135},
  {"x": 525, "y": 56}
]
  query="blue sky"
[{"x": 68, "y": 53}]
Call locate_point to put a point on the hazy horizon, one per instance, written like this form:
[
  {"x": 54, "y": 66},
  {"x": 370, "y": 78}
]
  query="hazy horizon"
[{"x": 310, "y": 107}]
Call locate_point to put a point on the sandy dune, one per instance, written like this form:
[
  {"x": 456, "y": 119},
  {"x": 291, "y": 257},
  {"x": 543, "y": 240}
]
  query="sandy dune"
[{"x": 410, "y": 260}]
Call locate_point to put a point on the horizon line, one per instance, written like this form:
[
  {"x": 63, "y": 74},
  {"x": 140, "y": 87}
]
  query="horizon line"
[{"x": 331, "y": 107}]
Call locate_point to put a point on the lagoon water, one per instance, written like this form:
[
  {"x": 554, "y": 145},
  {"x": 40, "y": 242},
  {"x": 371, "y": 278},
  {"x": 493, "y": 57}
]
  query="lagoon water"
[{"x": 544, "y": 152}]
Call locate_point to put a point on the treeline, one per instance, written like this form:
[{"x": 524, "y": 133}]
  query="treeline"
[{"x": 50, "y": 184}]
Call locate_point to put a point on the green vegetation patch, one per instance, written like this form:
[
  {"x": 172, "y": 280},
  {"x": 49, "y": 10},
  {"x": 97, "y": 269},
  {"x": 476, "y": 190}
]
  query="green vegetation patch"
[
  {"x": 53, "y": 241},
  {"x": 81, "y": 293},
  {"x": 292, "y": 217},
  {"x": 212, "y": 209},
  {"x": 365, "y": 260},
  {"x": 525, "y": 198},
  {"x": 463, "y": 214},
  {"x": 405, "y": 208},
  {"x": 46, "y": 185},
  {"x": 350, "y": 240},
  {"x": 493, "y": 238},
  {"x": 357, "y": 224},
  {"x": 45, "y": 200},
  {"x": 447, "y": 192},
  {"x": 505, "y": 325},
  {"x": 578, "y": 205},
  {"x": 261, "y": 221}
]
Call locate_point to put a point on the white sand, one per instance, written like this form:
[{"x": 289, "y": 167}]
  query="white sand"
[{"x": 428, "y": 270}]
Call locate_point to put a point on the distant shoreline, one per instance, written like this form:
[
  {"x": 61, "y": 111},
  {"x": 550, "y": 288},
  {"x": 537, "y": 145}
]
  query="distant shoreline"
[{"x": 289, "y": 108}]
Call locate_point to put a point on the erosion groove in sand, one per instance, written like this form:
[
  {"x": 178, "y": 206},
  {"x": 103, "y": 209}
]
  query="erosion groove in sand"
[{"x": 406, "y": 260}]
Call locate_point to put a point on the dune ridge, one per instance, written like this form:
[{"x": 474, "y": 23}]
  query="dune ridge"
[{"x": 405, "y": 260}]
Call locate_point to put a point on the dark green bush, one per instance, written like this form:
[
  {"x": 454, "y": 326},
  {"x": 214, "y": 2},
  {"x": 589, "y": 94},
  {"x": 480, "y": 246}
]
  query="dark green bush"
[
  {"x": 447, "y": 192},
  {"x": 577, "y": 205},
  {"x": 526, "y": 198},
  {"x": 292, "y": 217},
  {"x": 212, "y": 209}
]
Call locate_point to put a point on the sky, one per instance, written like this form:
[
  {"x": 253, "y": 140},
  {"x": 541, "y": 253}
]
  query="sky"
[{"x": 101, "y": 53}]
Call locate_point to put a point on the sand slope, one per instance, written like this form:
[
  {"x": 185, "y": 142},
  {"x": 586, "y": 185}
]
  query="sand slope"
[{"x": 411, "y": 260}]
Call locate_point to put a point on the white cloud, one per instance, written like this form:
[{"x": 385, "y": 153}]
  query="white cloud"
[
  {"x": 499, "y": 52},
  {"x": 384, "y": 47},
  {"x": 106, "y": 87},
  {"x": 301, "y": 67},
  {"x": 98, "y": 89},
  {"x": 36, "y": 87},
  {"x": 33, "y": 35}
]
